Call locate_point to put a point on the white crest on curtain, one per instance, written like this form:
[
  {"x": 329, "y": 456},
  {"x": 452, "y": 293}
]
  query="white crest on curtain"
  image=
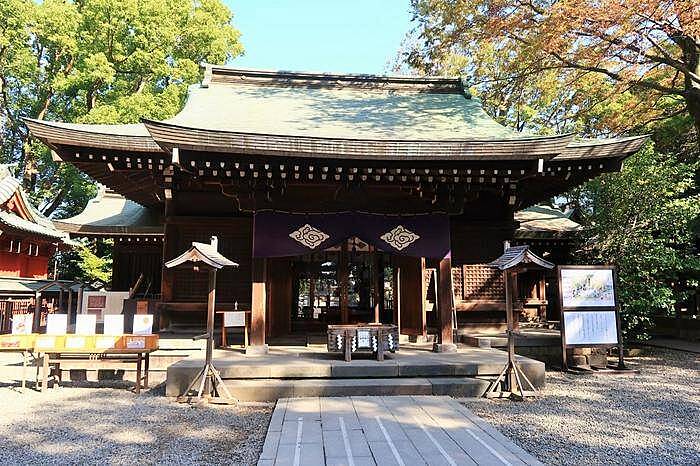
[
  {"x": 400, "y": 237},
  {"x": 309, "y": 236}
]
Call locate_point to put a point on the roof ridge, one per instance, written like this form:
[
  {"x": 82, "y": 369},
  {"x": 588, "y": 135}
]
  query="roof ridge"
[{"x": 226, "y": 74}]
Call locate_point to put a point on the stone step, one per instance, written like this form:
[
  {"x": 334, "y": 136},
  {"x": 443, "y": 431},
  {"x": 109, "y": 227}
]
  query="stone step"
[
  {"x": 169, "y": 342},
  {"x": 273, "y": 389}
]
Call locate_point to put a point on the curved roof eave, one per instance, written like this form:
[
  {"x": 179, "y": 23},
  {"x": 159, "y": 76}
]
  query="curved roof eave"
[
  {"x": 604, "y": 148},
  {"x": 170, "y": 135},
  {"x": 125, "y": 138}
]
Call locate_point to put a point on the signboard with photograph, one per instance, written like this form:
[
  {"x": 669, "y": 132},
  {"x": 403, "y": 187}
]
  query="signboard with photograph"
[{"x": 587, "y": 287}]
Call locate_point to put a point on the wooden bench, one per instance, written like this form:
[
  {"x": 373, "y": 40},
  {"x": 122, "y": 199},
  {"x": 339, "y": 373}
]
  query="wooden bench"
[{"x": 51, "y": 363}]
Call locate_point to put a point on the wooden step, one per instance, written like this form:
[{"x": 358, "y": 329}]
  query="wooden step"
[{"x": 273, "y": 389}]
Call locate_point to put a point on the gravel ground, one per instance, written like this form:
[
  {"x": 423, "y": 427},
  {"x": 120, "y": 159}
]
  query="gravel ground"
[
  {"x": 652, "y": 418},
  {"x": 114, "y": 426}
]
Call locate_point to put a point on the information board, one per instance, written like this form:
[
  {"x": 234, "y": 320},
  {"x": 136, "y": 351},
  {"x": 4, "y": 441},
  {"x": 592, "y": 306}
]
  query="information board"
[
  {"x": 587, "y": 287},
  {"x": 234, "y": 319},
  {"x": 590, "y": 327},
  {"x": 589, "y": 309}
]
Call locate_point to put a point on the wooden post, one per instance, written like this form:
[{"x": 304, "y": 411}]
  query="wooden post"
[
  {"x": 377, "y": 285},
  {"x": 445, "y": 307},
  {"x": 211, "y": 303},
  {"x": 397, "y": 298},
  {"x": 424, "y": 301},
  {"x": 343, "y": 280},
  {"x": 70, "y": 306},
  {"x": 37, "y": 311},
  {"x": 258, "y": 308},
  {"x": 510, "y": 374}
]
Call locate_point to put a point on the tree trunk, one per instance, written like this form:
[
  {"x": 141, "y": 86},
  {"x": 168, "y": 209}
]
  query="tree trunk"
[
  {"x": 693, "y": 103},
  {"x": 57, "y": 200}
]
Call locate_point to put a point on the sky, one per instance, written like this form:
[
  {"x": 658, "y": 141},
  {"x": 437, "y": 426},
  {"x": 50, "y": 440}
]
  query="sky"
[{"x": 357, "y": 36}]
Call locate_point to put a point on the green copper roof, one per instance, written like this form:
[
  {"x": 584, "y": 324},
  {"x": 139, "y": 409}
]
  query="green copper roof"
[{"x": 339, "y": 112}]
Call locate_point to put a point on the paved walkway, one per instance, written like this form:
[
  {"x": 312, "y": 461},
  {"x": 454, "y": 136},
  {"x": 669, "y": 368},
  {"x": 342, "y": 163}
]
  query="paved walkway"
[
  {"x": 675, "y": 344},
  {"x": 394, "y": 430}
]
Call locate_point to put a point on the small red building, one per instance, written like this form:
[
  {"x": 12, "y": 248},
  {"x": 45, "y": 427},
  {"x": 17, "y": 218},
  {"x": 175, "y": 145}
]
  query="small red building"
[{"x": 27, "y": 238}]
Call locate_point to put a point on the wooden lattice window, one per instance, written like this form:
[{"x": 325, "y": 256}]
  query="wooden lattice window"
[
  {"x": 481, "y": 283},
  {"x": 457, "y": 283}
]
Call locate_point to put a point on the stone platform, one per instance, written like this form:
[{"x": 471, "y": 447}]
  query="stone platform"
[
  {"x": 539, "y": 343},
  {"x": 299, "y": 371}
]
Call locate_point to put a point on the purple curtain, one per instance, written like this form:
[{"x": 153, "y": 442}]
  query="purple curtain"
[{"x": 283, "y": 234}]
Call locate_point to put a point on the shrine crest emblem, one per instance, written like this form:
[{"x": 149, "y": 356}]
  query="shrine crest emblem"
[
  {"x": 309, "y": 236},
  {"x": 400, "y": 237}
]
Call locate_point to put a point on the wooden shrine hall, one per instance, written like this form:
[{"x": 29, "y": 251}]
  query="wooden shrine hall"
[{"x": 344, "y": 198}]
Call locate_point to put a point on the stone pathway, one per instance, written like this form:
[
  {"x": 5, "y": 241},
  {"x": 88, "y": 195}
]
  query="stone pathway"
[
  {"x": 688, "y": 346},
  {"x": 392, "y": 430}
]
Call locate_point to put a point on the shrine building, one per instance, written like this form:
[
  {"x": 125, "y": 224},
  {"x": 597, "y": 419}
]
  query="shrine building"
[{"x": 344, "y": 198}]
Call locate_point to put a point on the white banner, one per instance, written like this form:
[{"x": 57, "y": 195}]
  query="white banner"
[
  {"x": 57, "y": 324},
  {"x": 85, "y": 324}
]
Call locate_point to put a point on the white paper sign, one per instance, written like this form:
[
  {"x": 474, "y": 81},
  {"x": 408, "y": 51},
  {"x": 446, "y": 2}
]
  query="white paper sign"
[
  {"x": 234, "y": 319},
  {"x": 22, "y": 324},
  {"x": 114, "y": 324},
  {"x": 85, "y": 324},
  {"x": 587, "y": 288},
  {"x": 363, "y": 339},
  {"x": 135, "y": 343},
  {"x": 143, "y": 324},
  {"x": 590, "y": 327},
  {"x": 56, "y": 324}
]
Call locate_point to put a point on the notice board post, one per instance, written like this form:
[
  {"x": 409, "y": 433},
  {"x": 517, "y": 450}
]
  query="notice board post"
[{"x": 590, "y": 313}]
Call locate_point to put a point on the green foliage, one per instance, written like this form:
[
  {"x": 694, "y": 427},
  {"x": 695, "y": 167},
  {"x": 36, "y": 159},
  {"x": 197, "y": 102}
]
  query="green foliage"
[
  {"x": 641, "y": 221},
  {"x": 596, "y": 69},
  {"x": 97, "y": 61},
  {"x": 88, "y": 262}
]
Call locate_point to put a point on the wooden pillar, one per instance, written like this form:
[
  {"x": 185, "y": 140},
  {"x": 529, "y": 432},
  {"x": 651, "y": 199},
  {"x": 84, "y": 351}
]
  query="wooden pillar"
[
  {"x": 343, "y": 280},
  {"x": 37, "y": 312},
  {"x": 423, "y": 316},
  {"x": 445, "y": 308},
  {"x": 542, "y": 296},
  {"x": 377, "y": 285},
  {"x": 70, "y": 306},
  {"x": 258, "y": 307},
  {"x": 395, "y": 305},
  {"x": 211, "y": 304},
  {"x": 79, "y": 304}
]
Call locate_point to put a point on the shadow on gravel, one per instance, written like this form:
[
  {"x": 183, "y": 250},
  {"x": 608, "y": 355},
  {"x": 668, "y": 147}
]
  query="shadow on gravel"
[
  {"x": 111, "y": 425},
  {"x": 648, "y": 418}
]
